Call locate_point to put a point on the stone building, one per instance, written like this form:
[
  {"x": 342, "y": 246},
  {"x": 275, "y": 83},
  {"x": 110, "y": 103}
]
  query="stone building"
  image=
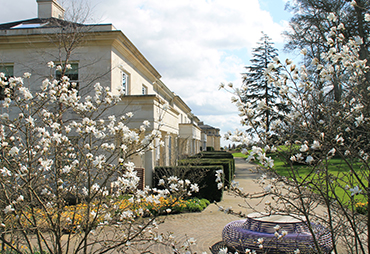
[
  {"x": 211, "y": 137},
  {"x": 101, "y": 53}
]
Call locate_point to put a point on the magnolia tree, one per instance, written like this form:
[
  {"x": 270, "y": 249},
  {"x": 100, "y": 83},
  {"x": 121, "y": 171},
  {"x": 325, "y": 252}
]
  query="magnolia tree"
[
  {"x": 66, "y": 181},
  {"x": 323, "y": 142}
]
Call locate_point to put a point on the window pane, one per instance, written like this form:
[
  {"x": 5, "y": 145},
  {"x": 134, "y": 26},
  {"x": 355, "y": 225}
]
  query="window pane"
[
  {"x": 125, "y": 83},
  {"x": 8, "y": 70},
  {"x": 72, "y": 74}
]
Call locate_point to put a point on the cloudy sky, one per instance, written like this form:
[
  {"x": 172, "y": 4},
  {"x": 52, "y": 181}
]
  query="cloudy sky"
[{"x": 194, "y": 44}]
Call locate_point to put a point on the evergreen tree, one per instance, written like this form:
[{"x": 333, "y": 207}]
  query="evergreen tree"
[{"x": 262, "y": 95}]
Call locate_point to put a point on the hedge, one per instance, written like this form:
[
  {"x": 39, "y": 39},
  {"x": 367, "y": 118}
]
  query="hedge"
[
  {"x": 228, "y": 165},
  {"x": 204, "y": 176}
]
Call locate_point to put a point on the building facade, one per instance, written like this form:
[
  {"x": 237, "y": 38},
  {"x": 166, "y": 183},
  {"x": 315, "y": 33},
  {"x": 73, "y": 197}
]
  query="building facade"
[{"x": 101, "y": 53}]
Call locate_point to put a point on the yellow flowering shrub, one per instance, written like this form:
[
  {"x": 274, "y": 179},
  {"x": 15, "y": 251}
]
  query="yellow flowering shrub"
[{"x": 74, "y": 216}]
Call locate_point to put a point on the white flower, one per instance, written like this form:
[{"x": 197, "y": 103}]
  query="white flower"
[
  {"x": 194, "y": 187},
  {"x": 367, "y": 17},
  {"x": 299, "y": 156},
  {"x": 304, "y": 148},
  {"x": 297, "y": 251},
  {"x": 332, "y": 152},
  {"x": 219, "y": 186},
  {"x": 5, "y": 172},
  {"x": 304, "y": 51},
  {"x": 20, "y": 198},
  {"x": 309, "y": 159},
  {"x": 316, "y": 145},
  {"x": 161, "y": 182},
  {"x": 268, "y": 188},
  {"x": 8, "y": 209},
  {"x": 277, "y": 227},
  {"x": 166, "y": 107},
  {"x": 359, "y": 120},
  {"x": 14, "y": 151},
  {"x": 51, "y": 64},
  {"x": 332, "y": 17},
  {"x": 354, "y": 191},
  {"x": 223, "y": 251},
  {"x": 27, "y": 75}
]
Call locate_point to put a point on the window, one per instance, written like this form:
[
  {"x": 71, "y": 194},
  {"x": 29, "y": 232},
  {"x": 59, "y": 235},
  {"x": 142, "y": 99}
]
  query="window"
[
  {"x": 125, "y": 83},
  {"x": 144, "y": 90},
  {"x": 8, "y": 71},
  {"x": 71, "y": 73}
]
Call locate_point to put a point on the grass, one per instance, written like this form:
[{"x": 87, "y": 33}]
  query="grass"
[{"x": 337, "y": 168}]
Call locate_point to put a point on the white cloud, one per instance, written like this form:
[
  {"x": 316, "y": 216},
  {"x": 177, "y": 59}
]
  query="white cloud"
[{"x": 192, "y": 43}]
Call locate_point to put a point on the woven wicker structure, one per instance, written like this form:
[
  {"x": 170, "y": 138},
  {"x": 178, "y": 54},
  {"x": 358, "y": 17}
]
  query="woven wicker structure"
[{"x": 244, "y": 234}]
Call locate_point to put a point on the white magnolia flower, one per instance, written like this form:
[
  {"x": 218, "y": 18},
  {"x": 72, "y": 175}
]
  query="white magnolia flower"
[
  {"x": 304, "y": 148},
  {"x": 51, "y": 64},
  {"x": 166, "y": 107},
  {"x": 27, "y": 75},
  {"x": 20, "y": 198},
  {"x": 309, "y": 159},
  {"x": 332, "y": 17},
  {"x": 277, "y": 227},
  {"x": 355, "y": 190},
  {"x": 14, "y": 151},
  {"x": 8, "y": 209},
  {"x": 5, "y": 172},
  {"x": 268, "y": 188},
  {"x": 223, "y": 251},
  {"x": 315, "y": 145},
  {"x": 194, "y": 188}
]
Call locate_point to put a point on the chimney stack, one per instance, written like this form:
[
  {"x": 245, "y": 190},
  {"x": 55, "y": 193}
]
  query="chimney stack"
[{"x": 49, "y": 9}]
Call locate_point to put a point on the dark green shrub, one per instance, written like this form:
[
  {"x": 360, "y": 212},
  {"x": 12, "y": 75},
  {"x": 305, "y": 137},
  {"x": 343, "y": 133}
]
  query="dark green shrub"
[
  {"x": 204, "y": 176},
  {"x": 227, "y": 164}
]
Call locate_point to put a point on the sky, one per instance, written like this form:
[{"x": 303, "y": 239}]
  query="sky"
[{"x": 194, "y": 44}]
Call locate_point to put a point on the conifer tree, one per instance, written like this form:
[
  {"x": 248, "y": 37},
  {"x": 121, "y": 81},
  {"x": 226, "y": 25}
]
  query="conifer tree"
[{"x": 261, "y": 94}]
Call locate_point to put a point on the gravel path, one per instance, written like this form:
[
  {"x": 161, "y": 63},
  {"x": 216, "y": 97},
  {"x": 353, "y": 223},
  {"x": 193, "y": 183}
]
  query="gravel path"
[{"x": 206, "y": 227}]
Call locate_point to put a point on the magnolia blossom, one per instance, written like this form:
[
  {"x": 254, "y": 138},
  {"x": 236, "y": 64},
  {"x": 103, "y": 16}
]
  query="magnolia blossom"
[
  {"x": 309, "y": 159},
  {"x": 8, "y": 209},
  {"x": 355, "y": 190},
  {"x": 13, "y": 151},
  {"x": 304, "y": 148}
]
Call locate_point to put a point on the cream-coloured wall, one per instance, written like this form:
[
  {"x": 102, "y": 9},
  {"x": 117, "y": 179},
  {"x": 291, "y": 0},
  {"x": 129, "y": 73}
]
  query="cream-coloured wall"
[
  {"x": 120, "y": 64},
  {"x": 93, "y": 62}
]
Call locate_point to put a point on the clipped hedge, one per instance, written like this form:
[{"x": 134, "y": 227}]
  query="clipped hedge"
[
  {"x": 214, "y": 154},
  {"x": 204, "y": 176},
  {"x": 217, "y": 155},
  {"x": 228, "y": 165}
]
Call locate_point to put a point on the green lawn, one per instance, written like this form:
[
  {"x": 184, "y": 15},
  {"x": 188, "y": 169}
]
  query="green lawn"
[{"x": 337, "y": 168}]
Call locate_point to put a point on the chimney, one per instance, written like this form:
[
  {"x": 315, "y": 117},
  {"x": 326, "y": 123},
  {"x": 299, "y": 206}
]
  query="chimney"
[{"x": 49, "y": 9}]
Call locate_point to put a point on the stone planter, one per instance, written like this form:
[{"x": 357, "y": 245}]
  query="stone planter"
[{"x": 245, "y": 234}]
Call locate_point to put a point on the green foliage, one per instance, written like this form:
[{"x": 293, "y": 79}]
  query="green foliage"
[{"x": 196, "y": 204}]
